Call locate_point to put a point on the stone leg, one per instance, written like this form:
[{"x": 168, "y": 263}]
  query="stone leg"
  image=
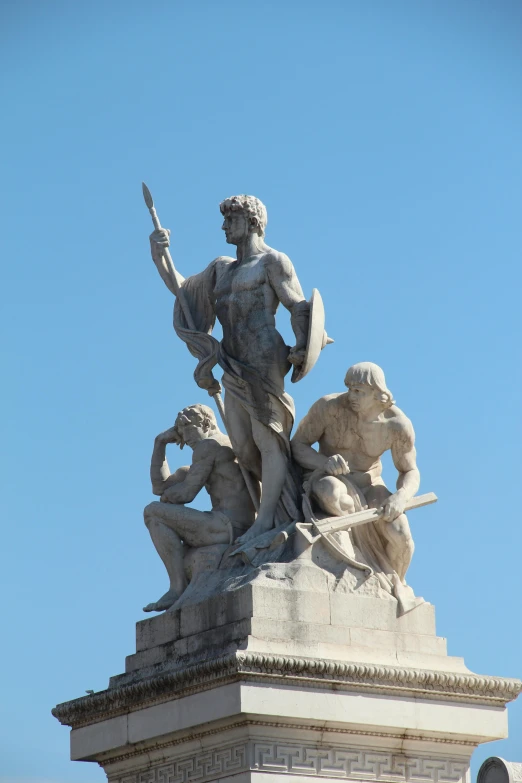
[
  {"x": 337, "y": 499},
  {"x": 259, "y": 450},
  {"x": 397, "y": 534},
  {"x": 333, "y": 496},
  {"x": 170, "y": 525},
  {"x": 239, "y": 428},
  {"x": 274, "y": 466}
]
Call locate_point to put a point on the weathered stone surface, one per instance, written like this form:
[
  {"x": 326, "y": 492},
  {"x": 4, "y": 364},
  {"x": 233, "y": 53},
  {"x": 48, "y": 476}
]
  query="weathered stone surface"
[
  {"x": 270, "y": 615},
  {"x": 299, "y": 592},
  {"x": 299, "y": 638}
]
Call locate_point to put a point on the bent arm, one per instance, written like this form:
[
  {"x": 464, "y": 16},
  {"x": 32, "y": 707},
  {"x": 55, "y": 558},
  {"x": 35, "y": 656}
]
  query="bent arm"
[
  {"x": 194, "y": 480},
  {"x": 159, "y": 244},
  {"x": 405, "y": 460},
  {"x": 159, "y": 467},
  {"x": 160, "y": 475},
  {"x": 309, "y": 431},
  {"x": 169, "y": 275}
]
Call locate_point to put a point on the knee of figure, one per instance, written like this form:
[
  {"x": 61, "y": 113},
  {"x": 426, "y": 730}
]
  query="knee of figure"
[
  {"x": 148, "y": 513},
  {"x": 347, "y": 503},
  {"x": 331, "y": 494}
]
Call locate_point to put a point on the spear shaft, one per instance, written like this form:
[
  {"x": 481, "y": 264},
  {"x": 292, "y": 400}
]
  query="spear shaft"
[{"x": 180, "y": 294}]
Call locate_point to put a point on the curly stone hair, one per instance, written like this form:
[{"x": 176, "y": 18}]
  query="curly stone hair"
[
  {"x": 195, "y": 414},
  {"x": 253, "y": 208}
]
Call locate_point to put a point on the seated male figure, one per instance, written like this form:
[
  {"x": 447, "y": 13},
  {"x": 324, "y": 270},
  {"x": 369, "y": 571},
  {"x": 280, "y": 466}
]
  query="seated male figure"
[
  {"x": 172, "y": 525},
  {"x": 353, "y": 430}
]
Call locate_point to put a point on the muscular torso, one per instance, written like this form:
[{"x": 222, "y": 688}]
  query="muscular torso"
[
  {"x": 361, "y": 445},
  {"x": 225, "y": 484},
  {"x": 340, "y": 431},
  {"x": 245, "y": 305}
]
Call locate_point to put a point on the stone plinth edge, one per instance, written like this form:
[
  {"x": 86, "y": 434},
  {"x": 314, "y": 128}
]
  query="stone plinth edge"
[{"x": 305, "y": 672}]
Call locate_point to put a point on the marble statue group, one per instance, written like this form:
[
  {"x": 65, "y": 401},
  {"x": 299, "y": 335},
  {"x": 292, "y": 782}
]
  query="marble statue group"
[
  {"x": 289, "y": 644},
  {"x": 266, "y": 487}
]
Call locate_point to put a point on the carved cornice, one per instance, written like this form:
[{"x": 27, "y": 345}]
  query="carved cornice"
[{"x": 304, "y": 672}]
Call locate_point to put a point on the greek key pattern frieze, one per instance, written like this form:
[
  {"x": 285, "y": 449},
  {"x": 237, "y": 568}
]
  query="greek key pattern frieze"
[
  {"x": 196, "y": 768},
  {"x": 355, "y": 764},
  {"x": 298, "y": 759}
]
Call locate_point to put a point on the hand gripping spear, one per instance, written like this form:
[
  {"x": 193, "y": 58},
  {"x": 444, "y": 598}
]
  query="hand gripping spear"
[{"x": 170, "y": 277}]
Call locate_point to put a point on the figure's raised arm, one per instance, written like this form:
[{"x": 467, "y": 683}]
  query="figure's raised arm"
[
  {"x": 159, "y": 243},
  {"x": 196, "y": 476},
  {"x": 160, "y": 475}
]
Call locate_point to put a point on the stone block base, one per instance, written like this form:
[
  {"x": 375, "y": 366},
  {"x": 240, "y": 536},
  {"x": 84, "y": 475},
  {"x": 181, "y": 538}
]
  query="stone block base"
[
  {"x": 290, "y": 611},
  {"x": 288, "y": 678}
]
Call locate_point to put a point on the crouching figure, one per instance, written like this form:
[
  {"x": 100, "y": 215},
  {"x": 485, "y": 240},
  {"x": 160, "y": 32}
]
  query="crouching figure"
[
  {"x": 175, "y": 528},
  {"x": 353, "y": 430}
]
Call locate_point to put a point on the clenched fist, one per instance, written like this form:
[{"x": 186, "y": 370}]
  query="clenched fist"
[
  {"x": 393, "y": 507},
  {"x": 159, "y": 241},
  {"x": 169, "y": 436},
  {"x": 336, "y": 466}
]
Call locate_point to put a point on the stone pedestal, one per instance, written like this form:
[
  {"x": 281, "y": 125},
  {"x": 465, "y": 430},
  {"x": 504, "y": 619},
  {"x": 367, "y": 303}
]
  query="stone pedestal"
[{"x": 287, "y": 677}]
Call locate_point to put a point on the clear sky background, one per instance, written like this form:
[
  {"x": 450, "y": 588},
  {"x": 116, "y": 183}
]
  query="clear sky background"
[{"x": 385, "y": 139}]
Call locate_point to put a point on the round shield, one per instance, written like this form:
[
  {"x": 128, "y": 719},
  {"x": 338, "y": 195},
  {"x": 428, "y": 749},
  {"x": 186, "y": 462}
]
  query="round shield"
[{"x": 317, "y": 337}]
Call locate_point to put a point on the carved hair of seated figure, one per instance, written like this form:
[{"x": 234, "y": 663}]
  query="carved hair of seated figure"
[{"x": 199, "y": 416}]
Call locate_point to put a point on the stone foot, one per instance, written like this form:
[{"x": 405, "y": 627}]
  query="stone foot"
[
  {"x": 165, "y": 602},
  {"x": 258, "y": 528},
  {"x": 405, "y": 596}
]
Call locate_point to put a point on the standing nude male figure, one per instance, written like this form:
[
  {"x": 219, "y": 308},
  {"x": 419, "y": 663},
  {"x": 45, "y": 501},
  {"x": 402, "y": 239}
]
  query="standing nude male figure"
[
  {"x": 353, "y": 430},
  {"x": 244, "y": 294},
  {"x": 175, "y": 528}
]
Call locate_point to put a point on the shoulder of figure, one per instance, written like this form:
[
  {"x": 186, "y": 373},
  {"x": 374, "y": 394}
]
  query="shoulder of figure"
[
  {"x": 220, "y": 441},
  {"x": 400, "y": 423},
  {"x": 219, "y": 445},
  {"x": 205, "y": 449},
  {"x": 277, "y": 259},
  {"x": 322, "y": 405},
  {"x": 222, "y": 261}
]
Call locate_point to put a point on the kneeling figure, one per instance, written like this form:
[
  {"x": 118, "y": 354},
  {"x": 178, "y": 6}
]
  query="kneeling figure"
[{"x": 353, "y": 430}]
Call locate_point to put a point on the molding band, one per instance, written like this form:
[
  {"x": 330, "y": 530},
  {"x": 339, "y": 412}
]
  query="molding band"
[{"x": 304, "y": 672}]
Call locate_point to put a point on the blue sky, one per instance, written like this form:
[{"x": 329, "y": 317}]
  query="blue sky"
[{"x": 384, "y": 138}]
